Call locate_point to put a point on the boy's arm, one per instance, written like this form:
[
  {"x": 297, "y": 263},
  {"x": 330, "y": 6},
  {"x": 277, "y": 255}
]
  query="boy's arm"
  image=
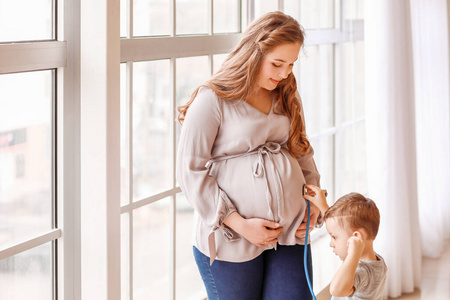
[
  {"x": 343, "y": 280},
  {"x": 318, "y": 199}
]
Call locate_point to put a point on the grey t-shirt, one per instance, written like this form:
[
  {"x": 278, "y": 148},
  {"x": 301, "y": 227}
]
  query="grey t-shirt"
[{"x": 370, "y": 278}]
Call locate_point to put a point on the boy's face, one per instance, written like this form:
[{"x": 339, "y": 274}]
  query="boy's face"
[{"x": 339, "y": 237}]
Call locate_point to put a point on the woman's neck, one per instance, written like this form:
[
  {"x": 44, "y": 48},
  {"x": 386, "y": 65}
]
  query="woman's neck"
[{"x": 261, "y": 100}]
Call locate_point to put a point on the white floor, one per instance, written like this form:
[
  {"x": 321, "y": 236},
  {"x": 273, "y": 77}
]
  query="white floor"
[{"x": 435, "y": 279}]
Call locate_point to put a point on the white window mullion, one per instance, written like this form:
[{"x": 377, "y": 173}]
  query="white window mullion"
[
  {"x": 129, "y": 142},
  {"x": 173, "y": 8},
  {"x": 210, "y": 16},
  {"x": 250, "y": 11},
  {"x": 100, "y": 150},
  {"x": 281, "y": 5},
  {"x": 173, "y": 206},
  {"x": 130, "y": 16},
  {"x": 338, "y": 147}
]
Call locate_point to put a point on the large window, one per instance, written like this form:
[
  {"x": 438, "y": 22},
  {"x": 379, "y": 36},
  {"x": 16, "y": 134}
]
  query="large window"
[
  {"x": 28, "y": 217},
  {"x": 182, "y": 43},
  {"x": 167, "y": 48},
  {"x": 163, "y": 59}
]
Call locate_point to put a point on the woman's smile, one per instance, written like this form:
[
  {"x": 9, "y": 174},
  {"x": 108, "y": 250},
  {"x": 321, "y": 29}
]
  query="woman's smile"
[{"x": 275, "y": 81}]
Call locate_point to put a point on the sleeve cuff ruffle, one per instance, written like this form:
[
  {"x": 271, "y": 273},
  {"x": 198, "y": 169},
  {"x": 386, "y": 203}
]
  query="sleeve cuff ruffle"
[{"x": 224, "y": 209}]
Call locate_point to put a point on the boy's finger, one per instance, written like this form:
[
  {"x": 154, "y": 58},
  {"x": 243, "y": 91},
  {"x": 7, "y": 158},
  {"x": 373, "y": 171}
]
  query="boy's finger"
[
  {"x": 308, "y": 197},
  {"x": 313, "y": 187}
]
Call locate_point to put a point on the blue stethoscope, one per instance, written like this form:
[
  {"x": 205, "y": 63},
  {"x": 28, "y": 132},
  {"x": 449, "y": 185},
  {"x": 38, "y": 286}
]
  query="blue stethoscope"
[{"x": 305, "y": 253}]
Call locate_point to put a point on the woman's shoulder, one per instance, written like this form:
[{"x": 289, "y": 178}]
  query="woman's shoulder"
[
  {"x": 207, "y": 100},
  {"x": 206, "y": 92}
]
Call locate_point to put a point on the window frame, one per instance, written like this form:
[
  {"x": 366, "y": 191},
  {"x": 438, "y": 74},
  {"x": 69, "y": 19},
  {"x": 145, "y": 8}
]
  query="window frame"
[
  {"x": 155, "y": 48},
  {"x": 29, "y": 56},
  {"x": 64, "y": 54}
]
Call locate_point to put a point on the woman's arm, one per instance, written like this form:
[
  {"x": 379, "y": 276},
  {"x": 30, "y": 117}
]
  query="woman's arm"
[{"x": 196, "y": 142}]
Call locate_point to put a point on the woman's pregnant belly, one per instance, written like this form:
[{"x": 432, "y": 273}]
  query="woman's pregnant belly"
[{"x": 266, "y": 185}]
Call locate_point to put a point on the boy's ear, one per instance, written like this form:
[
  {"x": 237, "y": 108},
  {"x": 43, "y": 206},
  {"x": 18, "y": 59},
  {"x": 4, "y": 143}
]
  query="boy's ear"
[{"x": 360, "y": 234}]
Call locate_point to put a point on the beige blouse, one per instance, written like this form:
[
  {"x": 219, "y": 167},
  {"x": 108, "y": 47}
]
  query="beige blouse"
[{"x": 232, "y": 157}]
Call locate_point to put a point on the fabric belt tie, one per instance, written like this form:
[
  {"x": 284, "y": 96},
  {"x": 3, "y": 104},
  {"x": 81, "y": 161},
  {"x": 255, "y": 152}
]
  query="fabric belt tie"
[{"x": 268, "y": 149}]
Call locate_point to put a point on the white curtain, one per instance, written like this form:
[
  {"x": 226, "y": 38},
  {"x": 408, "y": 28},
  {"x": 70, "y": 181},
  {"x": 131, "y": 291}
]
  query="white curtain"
[
  {"x": 408, "y": 132},
  {"x": 431, "y": 84}
]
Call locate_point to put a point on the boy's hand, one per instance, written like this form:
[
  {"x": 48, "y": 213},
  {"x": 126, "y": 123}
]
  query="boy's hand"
[
  {"x": 355, "y": 246},
  {"x": 317, "y": 196}
]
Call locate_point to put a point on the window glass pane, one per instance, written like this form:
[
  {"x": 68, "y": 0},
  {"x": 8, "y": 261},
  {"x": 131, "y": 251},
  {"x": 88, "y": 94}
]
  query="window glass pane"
[
  {"x": 326, "y": 13},
  {"x": 28, "y": 275},
  {"x": 324, "y": 158},
  {"x": 360, "y": 9},
  {"x": 192, "y": 16},
  {"x": 345, "y": 161},
  {"x": 25, "y": 155},
  {"x": 292, "y": 8},
  {"x": 353, "y": 9},
  {"x": 316, "y": 87},
  {"x": 309, "y": 14},
  {"x": 151, "y": 251},
  {"x": 152, "y": 128},
  {"x": 189, "y": 282},
  {"x": 24, "y": 20},
  {"x": 312, "y": 14},
  {"x": 151, "y": 17},
  {"x": 308, "y": 86},
  {"x": 244, "y": 14},
  {"x": 191, "y": 72},
  {"x": 353, "y": 81},
  {"x": 361, "y": 158},
  {"x": 123, "y": 18},
  {"x": 360, "y": 107},
  {"x": 218, "y": 60},
  {"x": 265, "y": 6},
  {"x": 226, "y": 16}
]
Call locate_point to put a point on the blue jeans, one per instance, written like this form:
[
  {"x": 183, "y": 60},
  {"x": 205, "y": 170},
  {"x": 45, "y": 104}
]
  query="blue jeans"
[{"x": 273, "y": 275}]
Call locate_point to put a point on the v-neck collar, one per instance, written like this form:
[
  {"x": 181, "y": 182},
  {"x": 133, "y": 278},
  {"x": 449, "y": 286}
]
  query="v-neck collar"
[{"x": 268, "y": 114}]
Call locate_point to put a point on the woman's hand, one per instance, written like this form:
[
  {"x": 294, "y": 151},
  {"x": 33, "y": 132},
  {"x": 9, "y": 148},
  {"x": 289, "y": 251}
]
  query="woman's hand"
[
  {"x": 301, "y": 230},
  {"x": 259, "y": 232}
]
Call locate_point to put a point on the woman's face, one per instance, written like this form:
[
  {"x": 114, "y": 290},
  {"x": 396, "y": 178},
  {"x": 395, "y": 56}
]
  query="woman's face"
[{"x": 277, "y": 65}]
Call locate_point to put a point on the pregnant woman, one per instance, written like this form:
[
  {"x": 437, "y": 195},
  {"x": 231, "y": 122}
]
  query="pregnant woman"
[{"x": 243, "y": 158}]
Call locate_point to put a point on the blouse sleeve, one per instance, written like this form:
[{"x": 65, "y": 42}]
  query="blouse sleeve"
[
  {"x": 199, "y": 131},
  {"x": 309, "y": 169}
]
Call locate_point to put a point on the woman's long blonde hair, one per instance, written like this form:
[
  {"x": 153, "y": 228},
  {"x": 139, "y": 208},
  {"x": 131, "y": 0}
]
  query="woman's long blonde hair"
[{"x": 240, "y": 71}]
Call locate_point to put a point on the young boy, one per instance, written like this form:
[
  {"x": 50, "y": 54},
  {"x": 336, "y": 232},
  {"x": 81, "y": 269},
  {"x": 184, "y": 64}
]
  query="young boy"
[{"x": 352, "y": 223}]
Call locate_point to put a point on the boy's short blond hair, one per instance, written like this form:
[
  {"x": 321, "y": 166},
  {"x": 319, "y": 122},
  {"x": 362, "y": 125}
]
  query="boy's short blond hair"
[{"x": 354, "y": 211}]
